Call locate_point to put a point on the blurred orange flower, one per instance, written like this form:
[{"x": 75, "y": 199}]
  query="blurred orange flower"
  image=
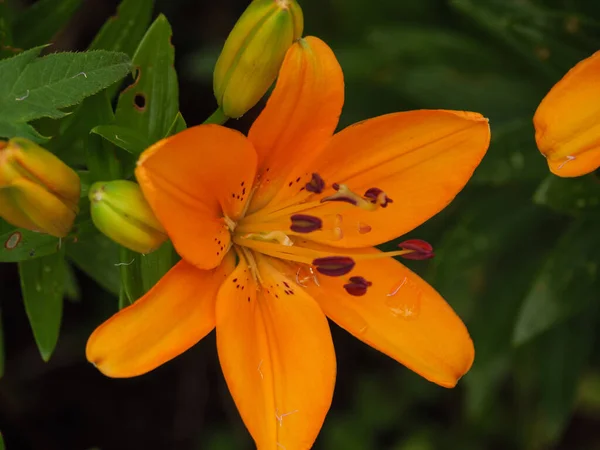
[
  {"x": 567, "y": 122},
  {"x": 276, "y": 232}
]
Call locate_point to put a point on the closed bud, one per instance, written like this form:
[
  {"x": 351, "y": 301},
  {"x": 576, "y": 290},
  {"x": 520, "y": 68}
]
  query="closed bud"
[
  {"x": 254, "y": 52},
  {"x": 37, "y": 190},
  {"x": 120, "y": 211}
]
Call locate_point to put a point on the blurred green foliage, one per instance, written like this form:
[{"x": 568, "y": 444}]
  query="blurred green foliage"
[{"x": 518, "y": 251}]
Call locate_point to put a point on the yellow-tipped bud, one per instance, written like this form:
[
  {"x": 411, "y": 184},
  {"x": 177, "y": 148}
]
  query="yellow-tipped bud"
[
  {"x": 253, "y": 53},
  {"x": 37, "y": 190},
  {"x": 120, "y": 211}
]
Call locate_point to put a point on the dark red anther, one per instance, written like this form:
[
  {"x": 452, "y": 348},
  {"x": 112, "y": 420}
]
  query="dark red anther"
[
  {"x": 357, "y": 286},
  {"x": 376, "y": 195},
  {"x": 334, "y": 266},
  {"x": 303, "y": 223},
  {"x": 316, "y": 184},
  {"x": 420, "y": 249}
]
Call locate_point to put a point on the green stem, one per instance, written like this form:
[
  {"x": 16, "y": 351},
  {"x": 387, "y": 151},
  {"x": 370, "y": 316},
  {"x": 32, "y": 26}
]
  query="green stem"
[{"x": 217, "y": 117}]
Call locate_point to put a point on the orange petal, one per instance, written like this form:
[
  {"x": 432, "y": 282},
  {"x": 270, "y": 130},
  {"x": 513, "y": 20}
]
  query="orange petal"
[
  {"x": 567, "y": 122},
  {"x": 192, "y": 180},
  {"x": 421, "y": 159},
  {"x": 175, "y": 314},
  {"x": 400, "y": 315},
  {"x": 300, "y": 116},
  {"x": 277, "y": 356}
]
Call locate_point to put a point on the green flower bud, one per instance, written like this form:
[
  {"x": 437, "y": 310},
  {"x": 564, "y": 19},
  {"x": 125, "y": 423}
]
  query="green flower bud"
[
  {"x": 37, "y": 190},
  {"x": 254, "y": 52},
  {"x": 120, "y": 211}
]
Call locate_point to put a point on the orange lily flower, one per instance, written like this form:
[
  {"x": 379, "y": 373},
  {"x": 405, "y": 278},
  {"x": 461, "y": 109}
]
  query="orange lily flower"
[
  {"x": 275, "y": 238},
  {"x": 567, "y": 121}
]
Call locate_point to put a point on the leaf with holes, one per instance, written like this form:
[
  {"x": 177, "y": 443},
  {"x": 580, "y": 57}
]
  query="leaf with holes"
[
  {"x": 146, "y": 108},
  {"x": 32, "y": 88},
  {"x": 38, "y": 24},
  {"x": 42, "y": 287}
]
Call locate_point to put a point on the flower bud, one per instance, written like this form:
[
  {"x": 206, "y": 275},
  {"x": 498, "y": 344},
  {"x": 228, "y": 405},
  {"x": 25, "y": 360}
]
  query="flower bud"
[
  {"x": 567, "y": 121},
  {"x": 37, "y": 190},
  {"x": 254, "y": 52},
  {"x": 120, "y": 211}
]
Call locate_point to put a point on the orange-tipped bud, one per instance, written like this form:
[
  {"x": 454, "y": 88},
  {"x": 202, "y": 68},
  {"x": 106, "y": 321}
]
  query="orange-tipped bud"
[
  {"x": 37, "y": 190},
  {"x": 254, "y": 52},
  {"x": 120, "y": 211},
  {"x": 567, "y": 121}
]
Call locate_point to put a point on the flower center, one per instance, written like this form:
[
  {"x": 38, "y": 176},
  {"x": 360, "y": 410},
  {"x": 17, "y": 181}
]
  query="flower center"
[{"x": 298, "y": 234}]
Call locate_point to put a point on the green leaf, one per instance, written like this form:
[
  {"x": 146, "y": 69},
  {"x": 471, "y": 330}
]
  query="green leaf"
[
  {"x": 131, "y": 278},
  {"x": 566, "y": 284},
  {"x": 98, "y": 257},
  {"x": 42, "y": 287},
  {"x": 38, "y": 24},
  {"x": 72, "y": 290},
  {"x": 576, "y": 196},
  {"x": 139, "y": 273},
  {"x": 123, "y": 32},
  {"x": 146, "y": 109},
  {"x": 30, "y": 89},
  {"x": 2, "y": 447},
  {"x": 178, "y": 125},
  {"x": 18, "y": 244}
]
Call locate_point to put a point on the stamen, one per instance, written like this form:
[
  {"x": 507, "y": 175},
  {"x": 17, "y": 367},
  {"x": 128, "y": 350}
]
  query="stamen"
[
  {"x": 344, "y": 194},
  {"x": 316, "y": 185},
  {"x": 273, "y": 236},
  {"x": 303, "y": 223},
  {"x": 377, "y": 196},
  {"x": 419, "y": 249},
  {"x": 357, "y": 286},
  {"x": 334, "y": 266}
]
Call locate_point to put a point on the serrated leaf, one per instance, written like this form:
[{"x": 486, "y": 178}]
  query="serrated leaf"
[
  {"x": 566, "y": 284},
  {"x": 576, "y": 196},
  {"x": 38, "y": 24},
  {"x": 42, "y": 288},
  {"x": 98, "y": 257},
  {"x": 146, "y": 109},
  {"x": 31, "y": 89}
]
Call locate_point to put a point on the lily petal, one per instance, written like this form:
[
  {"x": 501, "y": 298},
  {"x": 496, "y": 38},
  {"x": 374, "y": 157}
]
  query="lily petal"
[
  {"x": 420, "y": 159},
  {"x": 174, "y": 315},
  {"x": 300, "y": 116},
  {"x": 277, "y": 356},
  {"x": 190, "y": 180},
  {"x": 567, "y": 121},
  {"x": 400, "y": 315}
]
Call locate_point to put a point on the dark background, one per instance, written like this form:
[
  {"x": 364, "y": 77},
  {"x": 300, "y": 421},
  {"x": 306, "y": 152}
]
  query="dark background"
[{"x": 497, "y": 57}]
